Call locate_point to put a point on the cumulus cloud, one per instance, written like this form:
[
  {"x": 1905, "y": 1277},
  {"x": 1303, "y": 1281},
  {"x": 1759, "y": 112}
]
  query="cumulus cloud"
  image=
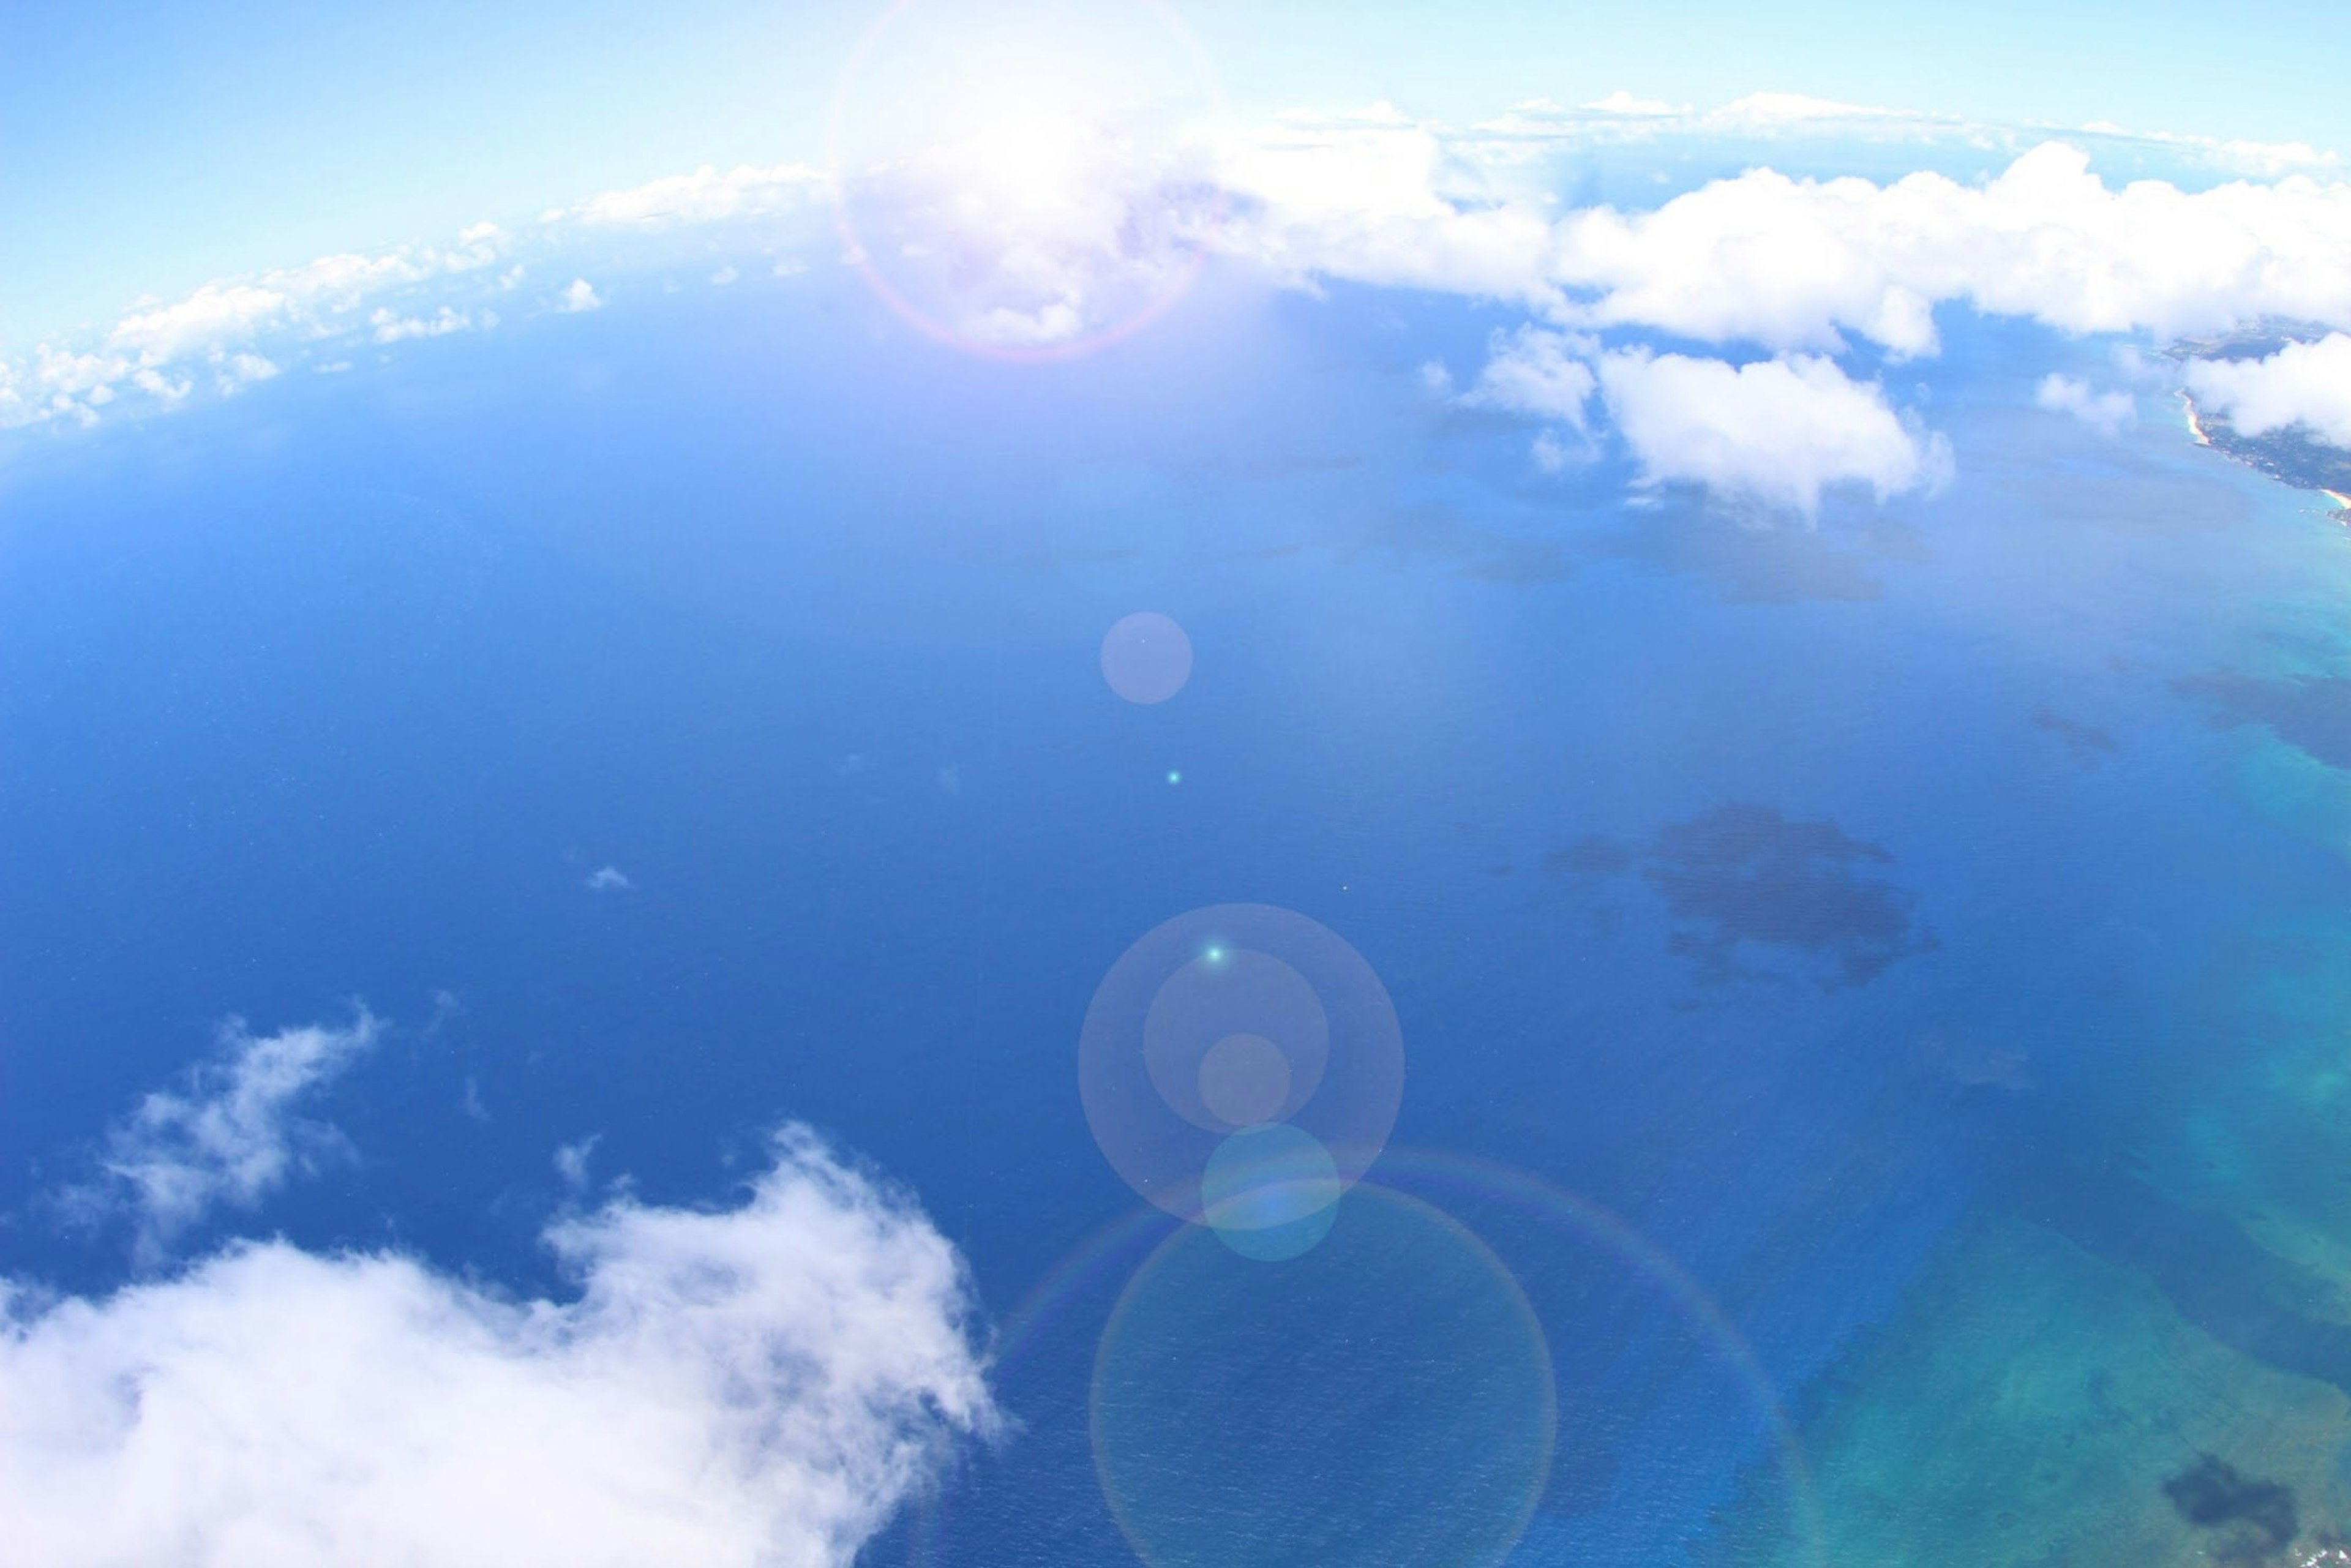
[
  {"x": 2305, "y": 385},
  {"x": 1778, "y": 432},
  {"x": 578, "y": 295},
  {"x": 1796, "y": 264},
  {"x": 609, "y": 879},
  {"x": 2108, "y": 413},
  {"x": 1539, "y": 373},
  {"x": 225, "y": 1135},
  {"x": 759, "y": 1385}
]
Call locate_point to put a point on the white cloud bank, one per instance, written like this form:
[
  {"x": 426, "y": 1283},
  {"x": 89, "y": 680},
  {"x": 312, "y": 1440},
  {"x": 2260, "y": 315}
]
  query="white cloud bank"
[
  {"x": 757, "y": 1386},
  {"x": 1078, "y": 239},
  {"x": 2306, "y": 384},
  {"x": 1789, "y": 263},
  {"x": 227, "y": 1135}
]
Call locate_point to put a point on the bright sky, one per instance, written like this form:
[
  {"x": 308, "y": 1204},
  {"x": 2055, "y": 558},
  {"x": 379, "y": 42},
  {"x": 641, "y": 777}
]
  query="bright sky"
[{"x": 146, "y": 147}]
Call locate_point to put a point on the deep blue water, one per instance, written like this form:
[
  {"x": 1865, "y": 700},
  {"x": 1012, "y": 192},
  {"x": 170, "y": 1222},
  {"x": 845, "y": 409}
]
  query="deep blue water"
[{"x": 1790, "y": 892}]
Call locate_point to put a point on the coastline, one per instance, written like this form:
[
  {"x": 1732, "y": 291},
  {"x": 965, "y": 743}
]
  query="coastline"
[{"x": 2195, "y": 425}]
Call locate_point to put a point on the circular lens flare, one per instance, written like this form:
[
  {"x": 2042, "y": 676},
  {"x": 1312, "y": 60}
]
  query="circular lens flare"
[
  {"x": 1147, "y": 657},
  {"x": 1387, "y": 1396},
  {"x": 1244, "y": 1080},
  {"x": 1270, "y": 1192}
]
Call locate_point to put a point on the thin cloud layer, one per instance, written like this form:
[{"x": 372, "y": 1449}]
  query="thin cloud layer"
[
  {"x": 227, "y": 1135},
  {"x": 757, "y": 1386},
  {"x": 2305, "y": 385},
  {"x": 705, "y": 196}
]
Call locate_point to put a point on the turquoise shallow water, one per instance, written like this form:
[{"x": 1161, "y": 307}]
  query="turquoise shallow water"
[{"x": 1870, "y": 986}]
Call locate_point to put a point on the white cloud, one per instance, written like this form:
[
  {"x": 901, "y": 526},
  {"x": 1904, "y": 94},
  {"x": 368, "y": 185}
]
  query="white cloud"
[
  {"x": 155, "y": 384},
  {"x": 216, "y": 313},
  {"x": 241, "y": 369},
  {"x": 2109, "y": 414},
  {"x": 761, "y": 1385},
  {"x": 1543, "y": 374},
  {"x": 610, "y": 879},
  {"x": 1025, "y": 239},
  {"x": 390, "y": 326},
  {"x": 225, "y": 1135},
  {"x": 702, "y": 197},
  {"x": 1777, "y": 433},
  {"x": 2308, "y": 384}
]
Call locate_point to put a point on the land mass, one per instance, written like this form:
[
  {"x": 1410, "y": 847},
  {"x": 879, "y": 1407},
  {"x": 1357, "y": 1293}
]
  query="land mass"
[{"x": 2292, "y": 455}]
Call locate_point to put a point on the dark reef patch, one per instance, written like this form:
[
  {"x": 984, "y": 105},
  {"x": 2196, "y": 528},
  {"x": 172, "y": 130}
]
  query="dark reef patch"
[
  {"x": 1591, "y": 856},
  {"x": 2211, "y": 1494},
  {"x": 1746, "y": 874},
  {"x": 2214, "y": 1274},
  {"x": 2313, "y": 712},
  {"x": 2086, "y": 741}
]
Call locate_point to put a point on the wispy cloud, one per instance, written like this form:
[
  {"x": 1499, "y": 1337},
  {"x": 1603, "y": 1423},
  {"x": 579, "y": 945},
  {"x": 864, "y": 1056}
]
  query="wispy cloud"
[
  {"x": 2108, "y": 413},
  {"x": 225, "y": 1135},
  {"x": 572, "y": 1161}
]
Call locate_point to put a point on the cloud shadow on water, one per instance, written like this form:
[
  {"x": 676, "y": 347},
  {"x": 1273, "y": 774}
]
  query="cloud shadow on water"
[{"x": 1772, "y": 560}]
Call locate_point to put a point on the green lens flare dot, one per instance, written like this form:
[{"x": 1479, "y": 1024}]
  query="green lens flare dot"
[{"x": 1381, "y": 1396}]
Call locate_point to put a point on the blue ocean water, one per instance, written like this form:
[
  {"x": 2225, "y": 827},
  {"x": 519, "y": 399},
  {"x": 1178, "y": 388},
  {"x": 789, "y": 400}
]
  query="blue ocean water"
[{"x": 1794, "y": 894}]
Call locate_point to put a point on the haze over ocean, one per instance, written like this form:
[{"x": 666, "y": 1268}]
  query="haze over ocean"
[{"x": 1844, "y": 796}]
